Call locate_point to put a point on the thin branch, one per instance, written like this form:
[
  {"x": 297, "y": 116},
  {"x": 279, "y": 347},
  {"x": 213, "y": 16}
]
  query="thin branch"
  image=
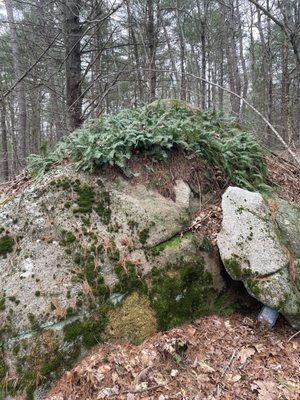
[
  {"x": 31, "y": 67},
  {"x": 268, "y": 14}
]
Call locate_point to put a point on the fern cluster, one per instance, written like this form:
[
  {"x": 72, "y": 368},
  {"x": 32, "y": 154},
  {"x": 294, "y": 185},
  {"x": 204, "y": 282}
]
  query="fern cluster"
[{"x": 154, "y": 131}]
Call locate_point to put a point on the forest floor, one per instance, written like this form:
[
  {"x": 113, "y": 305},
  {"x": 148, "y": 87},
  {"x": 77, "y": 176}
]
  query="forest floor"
[{"x": 214, "y": 357}]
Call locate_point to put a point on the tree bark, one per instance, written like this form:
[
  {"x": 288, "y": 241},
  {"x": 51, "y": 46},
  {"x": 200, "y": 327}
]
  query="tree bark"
[
  {"x": 72, "y": 33},
  {"x": 151, "y": 44},
  {"x": 4, "y": 141},
  {"x": 17, "y": 63}
]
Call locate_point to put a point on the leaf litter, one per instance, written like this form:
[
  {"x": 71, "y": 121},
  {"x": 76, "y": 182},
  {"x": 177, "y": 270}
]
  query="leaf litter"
[{"x": 212, "y": 358}]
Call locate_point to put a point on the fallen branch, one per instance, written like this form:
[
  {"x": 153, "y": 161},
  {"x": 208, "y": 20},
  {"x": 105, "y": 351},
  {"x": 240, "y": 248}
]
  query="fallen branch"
[{"x": 293, "y": 336}]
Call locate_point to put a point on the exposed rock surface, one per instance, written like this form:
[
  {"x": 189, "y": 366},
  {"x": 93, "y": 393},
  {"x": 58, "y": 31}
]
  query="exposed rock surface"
[
  {"x": 74, "y": 248},
  {"x": 259, "y": 244}
]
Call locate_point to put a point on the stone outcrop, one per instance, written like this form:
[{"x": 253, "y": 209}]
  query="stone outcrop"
[
  {"x": 259, "y": 244},
  {"x": 76, "y": 251}
]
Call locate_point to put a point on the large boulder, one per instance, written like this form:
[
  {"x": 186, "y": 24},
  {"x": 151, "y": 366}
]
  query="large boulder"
[
  {"x": 259, "y": 244},
  {"x": 77, "y": 253}
]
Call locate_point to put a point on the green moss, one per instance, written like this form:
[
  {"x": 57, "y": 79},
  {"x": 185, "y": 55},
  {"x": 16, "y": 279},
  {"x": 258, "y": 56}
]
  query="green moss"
[
  {"x": 206, "y": 246},
  {"x": 85, "y": 199},
  {"x": 89, "y": 331},
  {"x": 6, "y": 245},
  {"x": 235, "y": 270},
  {"x": 33, "y": 322},
  {"x": 298, "y": 274},
  {"x": 133, "y": 225},
  {"x": 13, "y": 299},
  {"x": 45, "y": 360},
  {"x": 67, "y": 238},
  {"x": 3, "y": 369},
  {"x": 253, "y": 286},
  {"x": 2, "y": 304},
  {"x": 181, "y": 294},
  {"x": 63, "y": 183},
  {"x": 113, "y": 252},
  {"x": 129, "y": 280},
  {"x": 102, "y": 208},
  {"x": 225, "y": 305},
  {"x": 172, "y": 243},
  {"x": 144, "y": 235}
]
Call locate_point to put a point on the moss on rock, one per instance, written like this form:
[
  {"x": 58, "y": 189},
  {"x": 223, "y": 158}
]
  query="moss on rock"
[
  {"x": 102, "y": 207},
  {"x": 172, "y": 243},
  {"x": 134, "y": 321},
  {"x": 6, "y": 245},
  {"x": 234, "y": 268},
  {"x": 181, "y": 293}
]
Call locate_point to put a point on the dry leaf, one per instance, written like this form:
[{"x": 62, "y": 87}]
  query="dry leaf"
[
  {"x": 205, "y": 367},
  {"x": 267, "y": 390},
  {"x": 245, "y": 353},
  {"x": 233, "y": 378},
  {"x": 259, "y": 347}
]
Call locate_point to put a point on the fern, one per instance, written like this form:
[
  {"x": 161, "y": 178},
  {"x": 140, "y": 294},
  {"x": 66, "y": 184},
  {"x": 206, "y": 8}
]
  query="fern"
[{"x": 154, "y": 131}]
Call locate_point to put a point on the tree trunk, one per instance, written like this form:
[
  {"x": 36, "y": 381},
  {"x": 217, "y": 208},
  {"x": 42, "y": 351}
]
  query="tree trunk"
[
  {"x": 17, "y": 63},
  {"x": 133, "y": 38},
  {"x": 151, "y": 44},
  {"x": 286, "y": 111},
  {"x": 72, "y": 33},
  {"x": 5, "y": 166},
  {"x": 242, "y": 59},
  {"x": 182, "y": 53}
]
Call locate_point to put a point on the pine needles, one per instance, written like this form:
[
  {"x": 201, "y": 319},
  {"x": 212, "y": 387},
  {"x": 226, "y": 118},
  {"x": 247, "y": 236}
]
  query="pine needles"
[{"x": 154, "y": 131}]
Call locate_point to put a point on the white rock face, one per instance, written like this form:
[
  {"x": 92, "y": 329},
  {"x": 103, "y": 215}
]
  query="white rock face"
[
  {"x": 182, "y": 193},
  {"x": 258, "y": 249},
  {"x": 248, "y": 232}
]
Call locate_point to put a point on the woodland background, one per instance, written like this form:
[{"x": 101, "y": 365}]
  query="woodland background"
[{"x": 63, "y": 61}]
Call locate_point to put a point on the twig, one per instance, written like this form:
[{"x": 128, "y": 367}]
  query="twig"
[
  {"x": 139, "y": 390},
  {"x": 293, "y": 336},
  {"x": 218, "y": 389},
  {"x": 233, "y": 355}
]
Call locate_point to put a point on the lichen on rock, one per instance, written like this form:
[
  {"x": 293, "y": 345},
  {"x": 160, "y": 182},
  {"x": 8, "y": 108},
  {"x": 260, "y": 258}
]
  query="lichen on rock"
[
  {"x": 260, "y": 246},
  {"x": 79, "y": 244}
]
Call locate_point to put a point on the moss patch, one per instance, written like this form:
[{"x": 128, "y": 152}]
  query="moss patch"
[
  {"x": 144, "y": 235},
  {"x": 129, "y": 280},
  {"x": 134, "y": 321},
  {"x": 172, "y": 243},
  {"x": 2, "y": 304},
  {"x": 235, "y": 270},
  {"x": 6, "y": 245},
  {"x": 253, "y": 286},
  {"x": 67, "y": 238},
  {"x": 102, "y": 208},
  {"x": 298, "y": 274},
  {"x": 182, "y": 294},
  {"x": 85, "y": 198},
  {"x": 89, "y": 331},
  {"x": 3, "y": 368}
]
